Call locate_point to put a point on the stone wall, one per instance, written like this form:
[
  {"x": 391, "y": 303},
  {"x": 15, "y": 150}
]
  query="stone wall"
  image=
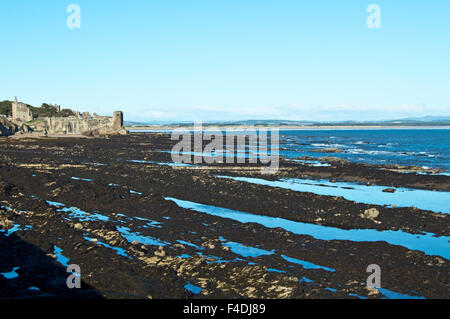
[{"x": 85, "y": 124}]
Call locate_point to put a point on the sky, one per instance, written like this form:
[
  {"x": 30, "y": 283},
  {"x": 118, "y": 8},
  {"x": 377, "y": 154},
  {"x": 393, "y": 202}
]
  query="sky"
[{"x": 217, "y": 60}]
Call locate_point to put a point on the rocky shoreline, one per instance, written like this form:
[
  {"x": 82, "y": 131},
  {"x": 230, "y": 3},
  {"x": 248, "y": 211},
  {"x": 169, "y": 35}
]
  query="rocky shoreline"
[{"x": 101, "y": 202}]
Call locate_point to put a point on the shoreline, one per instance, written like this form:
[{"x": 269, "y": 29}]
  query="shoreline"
[{"x": 112, "y": 206}]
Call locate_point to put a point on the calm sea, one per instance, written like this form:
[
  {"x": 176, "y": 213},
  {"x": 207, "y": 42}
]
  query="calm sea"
[{"x": 428, "y": 148}]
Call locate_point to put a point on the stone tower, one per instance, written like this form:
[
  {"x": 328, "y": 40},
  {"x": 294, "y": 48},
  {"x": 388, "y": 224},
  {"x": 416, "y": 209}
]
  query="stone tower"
[
  {"x": 117, "y": 120},
  {"x": 21, "y": 112},
  {"x": 14, "y": 108}
]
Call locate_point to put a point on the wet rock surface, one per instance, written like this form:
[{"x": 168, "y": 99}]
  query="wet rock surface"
[{"x": 101, "y": 202}]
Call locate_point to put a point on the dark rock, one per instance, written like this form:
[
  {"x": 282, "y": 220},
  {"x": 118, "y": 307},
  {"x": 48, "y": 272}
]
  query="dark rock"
[{"x": 6, "y": 127}]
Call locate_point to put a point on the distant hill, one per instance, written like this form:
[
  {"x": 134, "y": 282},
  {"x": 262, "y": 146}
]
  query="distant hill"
[
  {"x": 425, "y": 120},
  {"x": 428, "y": 118},
  {"x": 245, "y": 122},
  {"x": 419, "y": 121},
  {"x": 134, "y": 123}
]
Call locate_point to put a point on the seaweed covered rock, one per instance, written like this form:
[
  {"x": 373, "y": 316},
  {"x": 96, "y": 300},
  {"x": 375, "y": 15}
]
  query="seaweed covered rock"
[
  {"x": 6, "y": 188},
  {"x": 6, "y": 127}
]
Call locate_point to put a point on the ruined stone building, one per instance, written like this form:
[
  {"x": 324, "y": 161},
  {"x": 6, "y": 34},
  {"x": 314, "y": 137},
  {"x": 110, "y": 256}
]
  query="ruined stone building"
[
  {"x": 85, "y": 123},
  {"x": 21, "y": 112},
  {"x": 77, "y": 124}
]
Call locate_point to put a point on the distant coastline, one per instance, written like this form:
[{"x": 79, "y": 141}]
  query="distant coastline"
[
  {"x": 291, "y": 127},
  {"x": 426, "y": 122}
]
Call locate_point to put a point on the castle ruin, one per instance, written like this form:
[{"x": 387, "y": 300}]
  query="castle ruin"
[
  {"x": 85, "y": 124},
  {"x": 80, "y": 123},
  {"x": 21, "y": 112}
]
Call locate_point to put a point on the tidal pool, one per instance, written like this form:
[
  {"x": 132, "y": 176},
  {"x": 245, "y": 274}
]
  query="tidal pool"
[
  {"x": 82, "y": 179},
  {"x": 403, "y": 197},
  {"x": 119, "y": 251},
  {"x": 78, "y": 213},
  {"x": 427, "y": 243},
  {"x": 189, "y": 244},
  {"x": 306, "y": 264},
  {"x": 16, "y": 227},
  {"x": 192, "y": 288},
  {"x": 144, "y": 240},
  {"x": 63, "y": 260},
  {"x": 12, "y": 274},
  {"x": 248, "y": 251},
  {"x": 389, "y": 294}
]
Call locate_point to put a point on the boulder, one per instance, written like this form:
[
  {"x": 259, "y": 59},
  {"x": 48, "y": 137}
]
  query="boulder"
[
  {"x": 370, "y": 213},
  {"x": 160, "y": 252},
  {"x": 6, "y": 223}
]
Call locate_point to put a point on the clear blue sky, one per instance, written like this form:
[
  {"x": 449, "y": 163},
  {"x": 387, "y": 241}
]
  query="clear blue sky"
[{"x": 229, "y": 59}]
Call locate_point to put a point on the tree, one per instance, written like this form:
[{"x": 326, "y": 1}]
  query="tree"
[{"x": 6, "y": 108}]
